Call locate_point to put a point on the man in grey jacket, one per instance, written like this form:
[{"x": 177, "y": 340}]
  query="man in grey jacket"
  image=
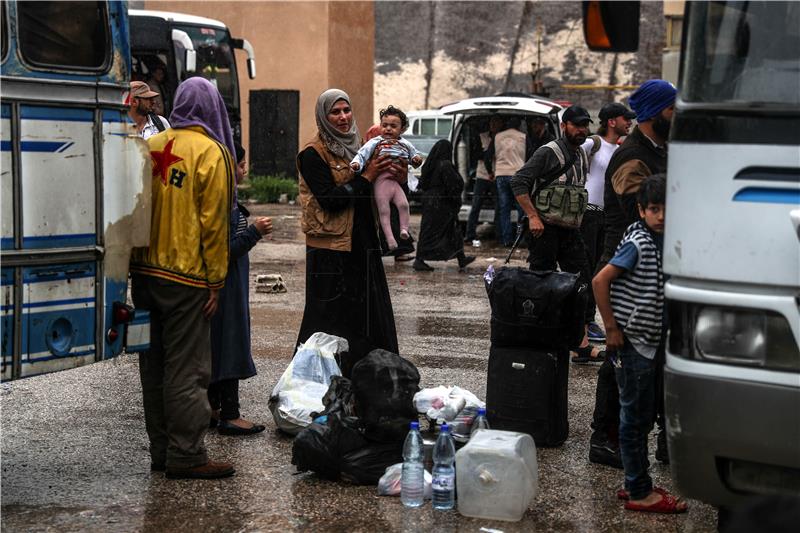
[{"x": 553, "y": 245}]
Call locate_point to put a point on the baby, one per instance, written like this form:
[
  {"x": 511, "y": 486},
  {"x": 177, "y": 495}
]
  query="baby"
[{"x": 387, "y": 189}]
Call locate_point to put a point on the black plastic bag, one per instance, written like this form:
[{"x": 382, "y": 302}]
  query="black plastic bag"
[
  {"x": 338, "y": 399},
  {"x": 384, "y": 385},
  {"x": 321, "y": 447},
  {"x": 366, "y": 465},
  {"x": 542, "y": 309}
]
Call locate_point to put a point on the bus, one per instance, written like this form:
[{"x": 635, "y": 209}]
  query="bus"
[
  {"x": 731, "y": 248},
  {"x": 75, "y": 187},
  {"x": 183, "y": 46}
]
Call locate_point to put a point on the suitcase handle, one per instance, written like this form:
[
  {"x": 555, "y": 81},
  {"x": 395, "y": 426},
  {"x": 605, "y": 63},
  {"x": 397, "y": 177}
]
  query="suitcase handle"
[{"x": 522, "y": 226}]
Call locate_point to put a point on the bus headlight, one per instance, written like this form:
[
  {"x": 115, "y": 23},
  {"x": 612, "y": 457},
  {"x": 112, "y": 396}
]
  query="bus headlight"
[{"x": 746, "y": 337}]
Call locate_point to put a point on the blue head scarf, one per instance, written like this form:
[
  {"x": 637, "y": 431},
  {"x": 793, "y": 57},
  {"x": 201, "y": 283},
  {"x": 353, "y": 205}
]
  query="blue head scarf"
[
  {"x": 198, "y": 103},
  {"x": 652, "y": 97}
]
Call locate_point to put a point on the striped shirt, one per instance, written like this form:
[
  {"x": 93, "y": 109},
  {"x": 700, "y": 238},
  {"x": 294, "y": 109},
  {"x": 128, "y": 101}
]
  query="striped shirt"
[{"x": 637, "y": 296}]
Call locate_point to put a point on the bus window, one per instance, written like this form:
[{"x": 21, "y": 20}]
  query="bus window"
[
  {"x": 63, "y": 35},
  {"x": 743, "y": 53},
  {"x": 215, "y": 60},
  {"x": 4, "y": 28}
]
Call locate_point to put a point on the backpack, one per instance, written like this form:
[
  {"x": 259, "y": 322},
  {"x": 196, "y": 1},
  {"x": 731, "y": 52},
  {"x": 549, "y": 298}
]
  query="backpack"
[
  {"x": 156, "y": 120},
  {"x": 384, "y": 385},
  {"x": 562, "y": 204}
]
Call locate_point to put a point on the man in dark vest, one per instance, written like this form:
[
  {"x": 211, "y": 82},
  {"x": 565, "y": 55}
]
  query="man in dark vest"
[{"x": 643, "y": 154}]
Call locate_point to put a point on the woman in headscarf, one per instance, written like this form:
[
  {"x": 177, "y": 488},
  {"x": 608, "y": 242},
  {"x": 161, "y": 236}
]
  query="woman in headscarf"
[
  {"x": 346, "y": 290},
  {"x": 439, "y": 235}
]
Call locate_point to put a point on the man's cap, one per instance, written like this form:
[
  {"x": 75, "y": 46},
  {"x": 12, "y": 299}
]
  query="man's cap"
[
  {"x": 577, "y": 115},
  {"x": 140, "y": 89},
  {"x": 614, "y": 110},
  {"x": 652, "y": 97}
]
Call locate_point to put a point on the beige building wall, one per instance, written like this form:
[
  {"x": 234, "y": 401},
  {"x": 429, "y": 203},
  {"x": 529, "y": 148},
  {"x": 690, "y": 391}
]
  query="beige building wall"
[{"x": 303, "y": 46}]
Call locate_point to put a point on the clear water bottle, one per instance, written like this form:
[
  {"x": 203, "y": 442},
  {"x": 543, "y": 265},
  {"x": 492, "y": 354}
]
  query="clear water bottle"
[
  {"x": 480, "y": 421},
  {"x": 444, "y": 473},
  {"x": 412, "y": 484}
]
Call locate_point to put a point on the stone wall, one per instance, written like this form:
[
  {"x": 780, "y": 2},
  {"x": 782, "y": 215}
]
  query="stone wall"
[{"x": 428, "y": 54}]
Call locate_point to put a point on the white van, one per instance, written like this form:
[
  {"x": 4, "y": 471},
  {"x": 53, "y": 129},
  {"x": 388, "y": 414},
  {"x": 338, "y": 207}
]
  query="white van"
[{"x": 470, "y": 118}]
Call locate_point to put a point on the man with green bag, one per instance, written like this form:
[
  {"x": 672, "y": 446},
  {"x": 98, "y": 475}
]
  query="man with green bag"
[{"x": 550, "y": 188}]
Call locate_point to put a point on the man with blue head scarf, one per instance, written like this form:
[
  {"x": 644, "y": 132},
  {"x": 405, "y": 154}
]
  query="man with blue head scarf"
[
  {"x": 642, "y": 154},
  {"x": 178, "y": 277}
]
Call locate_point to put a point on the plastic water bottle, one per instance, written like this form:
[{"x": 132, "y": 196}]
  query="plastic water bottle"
[
  {"x": 412, "y": 483},
  {"x": 480, "y": 422},
  {"x": 444, "y": 473}
]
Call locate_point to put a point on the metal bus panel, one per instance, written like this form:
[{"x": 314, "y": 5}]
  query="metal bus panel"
[
  {"x": 59, "y": 321},
  {"x": 6, "y": 182},
  {"x": 127, "y": 178},
  {"x": 57, "y": 177},
  {"x": 7, "y": 323},
  {"x": 747, "y": 238}
]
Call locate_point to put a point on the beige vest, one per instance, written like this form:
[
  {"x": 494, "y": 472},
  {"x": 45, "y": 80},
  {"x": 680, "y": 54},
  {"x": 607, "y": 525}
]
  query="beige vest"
[{"x": 332, "y": 231}]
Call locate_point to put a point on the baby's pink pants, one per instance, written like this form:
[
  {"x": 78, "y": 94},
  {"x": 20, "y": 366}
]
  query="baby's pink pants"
[{"x": 388, "y": 191}]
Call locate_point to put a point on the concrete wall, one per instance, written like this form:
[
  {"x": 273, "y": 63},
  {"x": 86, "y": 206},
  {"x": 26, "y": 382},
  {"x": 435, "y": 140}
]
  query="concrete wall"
[
  {"x": 458, "y": 50},
  {"x": 304, "y": 46}
]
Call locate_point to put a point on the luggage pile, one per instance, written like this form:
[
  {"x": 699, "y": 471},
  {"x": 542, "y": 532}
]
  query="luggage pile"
[
  {"x": 361, "y": 430},
  {"x": 536, "y": 318}
]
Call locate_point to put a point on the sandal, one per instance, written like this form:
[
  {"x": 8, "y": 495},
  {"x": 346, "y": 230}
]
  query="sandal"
[
  {"x": 584, "y": 355},
  {"x": 668, "y": 504},
  {"x": 622, "y": 494}
]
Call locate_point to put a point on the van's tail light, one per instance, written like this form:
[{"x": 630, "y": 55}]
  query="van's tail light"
[
  {"x": 732, "y": 335},
  {"x": 122, "y": 313}
]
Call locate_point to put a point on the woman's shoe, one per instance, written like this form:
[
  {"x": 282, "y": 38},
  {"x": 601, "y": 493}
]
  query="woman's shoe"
[
  {"x": 226, "y": 428},
  {"x": 422, "y": 266},
  {"x": 464, "y": 261}
]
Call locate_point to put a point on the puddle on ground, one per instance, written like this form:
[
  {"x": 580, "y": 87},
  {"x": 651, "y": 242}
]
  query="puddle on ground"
[
  {"x": 449, "y": 361},
  {"x": 441, "y": 326}
]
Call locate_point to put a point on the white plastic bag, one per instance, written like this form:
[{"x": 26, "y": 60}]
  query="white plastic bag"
[
  {"x": 305, "y": 381},
  {"x": 389, "y": 484},
  {"x": 444, "y": 403}
]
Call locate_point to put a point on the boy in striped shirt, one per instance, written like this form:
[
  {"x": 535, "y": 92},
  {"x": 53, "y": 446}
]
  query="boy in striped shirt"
[{"x": 629, "y": 292}]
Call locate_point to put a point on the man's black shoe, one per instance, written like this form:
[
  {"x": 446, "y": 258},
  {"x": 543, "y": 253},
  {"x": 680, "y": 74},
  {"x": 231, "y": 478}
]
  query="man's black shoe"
[
  {"x": 604, "y": 453},
  {"x": 662, "y": 453}
]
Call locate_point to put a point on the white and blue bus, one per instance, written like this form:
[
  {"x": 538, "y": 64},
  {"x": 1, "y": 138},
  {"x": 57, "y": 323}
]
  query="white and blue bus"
[
  {"x": 731, "y": 246},
  {"x": 75, "y": 187}
]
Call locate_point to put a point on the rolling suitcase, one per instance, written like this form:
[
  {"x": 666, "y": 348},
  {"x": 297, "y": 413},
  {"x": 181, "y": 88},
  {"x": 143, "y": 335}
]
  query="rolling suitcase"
[
  {"x": 526, "y": 391},
  {"x": 535, "y": 317}
]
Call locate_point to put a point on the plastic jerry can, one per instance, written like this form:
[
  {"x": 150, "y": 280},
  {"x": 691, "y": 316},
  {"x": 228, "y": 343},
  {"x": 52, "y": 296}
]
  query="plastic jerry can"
[{"x": 497, "y": 475}]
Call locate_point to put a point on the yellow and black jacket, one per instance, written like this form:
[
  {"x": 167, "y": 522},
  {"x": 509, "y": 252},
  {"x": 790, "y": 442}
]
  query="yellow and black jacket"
[{"x": 193, "y": 177}]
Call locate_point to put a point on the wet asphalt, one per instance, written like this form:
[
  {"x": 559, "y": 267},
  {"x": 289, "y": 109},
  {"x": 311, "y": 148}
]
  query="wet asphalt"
[{"x": 74, "y": 448}]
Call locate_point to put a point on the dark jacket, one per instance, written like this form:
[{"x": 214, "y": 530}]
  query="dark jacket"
[
  {"x": 230, "y": 326},
  {"x": 633, "y": 161}
]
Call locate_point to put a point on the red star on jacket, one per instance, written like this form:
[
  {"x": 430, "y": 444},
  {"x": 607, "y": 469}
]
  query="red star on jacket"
[{"x": 163, "y": 160}]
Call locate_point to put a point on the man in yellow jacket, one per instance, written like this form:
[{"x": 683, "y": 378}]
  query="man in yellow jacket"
[{"x": 177, "y": 278}]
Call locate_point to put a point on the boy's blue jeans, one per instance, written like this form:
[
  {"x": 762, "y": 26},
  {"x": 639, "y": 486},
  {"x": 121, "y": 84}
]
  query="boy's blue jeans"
[{"x": 636, "y": 380}]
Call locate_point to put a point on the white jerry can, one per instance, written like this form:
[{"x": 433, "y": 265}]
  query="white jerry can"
[{"x": 497, "y": 476}]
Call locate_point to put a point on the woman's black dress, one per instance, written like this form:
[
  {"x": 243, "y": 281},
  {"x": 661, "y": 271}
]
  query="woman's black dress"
[
  {"x": 440, "y": 235},
  {"x": 346, "y": 292}
]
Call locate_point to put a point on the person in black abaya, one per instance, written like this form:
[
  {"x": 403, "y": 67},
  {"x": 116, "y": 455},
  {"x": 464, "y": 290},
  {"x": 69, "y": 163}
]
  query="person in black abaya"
[
  {"x": 346, "y": 290},
  {"x": 439, "y": 235}
]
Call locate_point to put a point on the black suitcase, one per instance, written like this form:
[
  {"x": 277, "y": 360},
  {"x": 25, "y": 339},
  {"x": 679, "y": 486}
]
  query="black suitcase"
[
  {"x": 536, "y": 308},
  {"x": 526, "y": 391}
]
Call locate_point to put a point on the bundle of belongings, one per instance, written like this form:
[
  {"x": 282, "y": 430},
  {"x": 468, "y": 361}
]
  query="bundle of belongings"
[
  {"x": 300, "y": 389},
  {"x": 361, "y": 430}
]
